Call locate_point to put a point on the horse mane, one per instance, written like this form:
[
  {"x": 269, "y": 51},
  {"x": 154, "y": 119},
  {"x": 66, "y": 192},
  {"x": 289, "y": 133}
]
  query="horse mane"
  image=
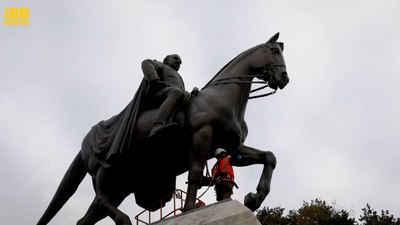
[
  {"x": 220, "y": 71},
  {"x": 230, "y": 62}
]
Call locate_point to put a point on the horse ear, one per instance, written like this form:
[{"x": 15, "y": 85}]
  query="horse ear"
[{"x": 273, "y": 38}]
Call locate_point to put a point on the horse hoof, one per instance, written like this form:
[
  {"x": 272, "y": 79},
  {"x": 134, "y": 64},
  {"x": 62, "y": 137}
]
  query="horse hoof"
[
  {"x": 188, "y": 208},
  {"x": 251, "y": 202}
]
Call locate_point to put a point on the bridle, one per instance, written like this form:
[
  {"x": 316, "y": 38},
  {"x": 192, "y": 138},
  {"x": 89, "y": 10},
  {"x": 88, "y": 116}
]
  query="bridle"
[{"x": 267, "y": 71}]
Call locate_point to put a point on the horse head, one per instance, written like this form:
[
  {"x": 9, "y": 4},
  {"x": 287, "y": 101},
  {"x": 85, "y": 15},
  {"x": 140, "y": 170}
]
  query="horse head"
[{"x": 271, "y": 65}]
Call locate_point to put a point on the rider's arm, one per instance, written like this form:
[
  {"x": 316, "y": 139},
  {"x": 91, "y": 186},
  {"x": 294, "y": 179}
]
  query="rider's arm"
[{"x": 150, "y": 68}]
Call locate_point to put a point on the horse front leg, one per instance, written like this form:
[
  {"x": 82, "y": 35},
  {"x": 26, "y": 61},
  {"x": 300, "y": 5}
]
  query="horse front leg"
[
  {"x": 201, "y": 144},
  {"x": 250, "y": 156}
]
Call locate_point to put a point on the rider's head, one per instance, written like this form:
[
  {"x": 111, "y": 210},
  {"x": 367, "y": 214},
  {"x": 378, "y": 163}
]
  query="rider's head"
[
  {"x": 174, "y": 61},
  {"x": 219, "y": 152}
]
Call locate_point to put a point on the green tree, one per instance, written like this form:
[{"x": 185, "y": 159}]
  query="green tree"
[
  {"x": 318, "y": 212},
  {"x": 371, "y": 217},
  {"x": 272, "y": 216},
  {"x": 315, "y": 213}
]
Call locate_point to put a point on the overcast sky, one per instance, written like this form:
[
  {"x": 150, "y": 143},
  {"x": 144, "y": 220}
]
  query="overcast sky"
[{"x": 335, "y": 128}]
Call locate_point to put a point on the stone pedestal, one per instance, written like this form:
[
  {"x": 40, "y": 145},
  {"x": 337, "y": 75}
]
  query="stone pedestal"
[{"x": 227, "y": 212}]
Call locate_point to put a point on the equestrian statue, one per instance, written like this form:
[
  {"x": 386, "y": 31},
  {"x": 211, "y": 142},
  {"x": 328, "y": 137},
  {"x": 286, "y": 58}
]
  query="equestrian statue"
[{"x": 123, "y": 158}]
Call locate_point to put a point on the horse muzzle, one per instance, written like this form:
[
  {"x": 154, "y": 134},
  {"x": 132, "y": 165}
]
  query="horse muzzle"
[{"x": 279, "y": 80}]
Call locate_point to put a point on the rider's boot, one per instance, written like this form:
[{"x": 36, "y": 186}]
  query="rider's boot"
[
  {"x": 164, "y": 114},
  {"x": 159, "y": 126}
]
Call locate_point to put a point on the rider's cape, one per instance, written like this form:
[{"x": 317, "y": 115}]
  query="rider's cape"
[{"x": 111, "y": 139}]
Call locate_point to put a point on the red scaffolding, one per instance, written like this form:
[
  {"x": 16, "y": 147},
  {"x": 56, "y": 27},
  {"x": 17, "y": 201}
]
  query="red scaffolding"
[{"x": 177, "y": 207}]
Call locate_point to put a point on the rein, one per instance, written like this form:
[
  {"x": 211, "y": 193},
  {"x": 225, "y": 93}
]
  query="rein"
[{"x": 228, "y": 80}]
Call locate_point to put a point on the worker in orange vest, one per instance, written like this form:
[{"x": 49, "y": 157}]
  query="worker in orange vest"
[{"x": 223, "y": 176}]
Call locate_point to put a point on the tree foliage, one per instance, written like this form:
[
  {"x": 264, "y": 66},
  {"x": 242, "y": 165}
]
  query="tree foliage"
[
  {"x": 272, "y": 216},
  {"x": 318, "y": 212},
  {"x": 371, "y": 217}
]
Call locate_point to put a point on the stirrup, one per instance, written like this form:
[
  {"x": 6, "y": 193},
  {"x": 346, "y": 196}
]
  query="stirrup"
[{"x": 158, "y": 126}]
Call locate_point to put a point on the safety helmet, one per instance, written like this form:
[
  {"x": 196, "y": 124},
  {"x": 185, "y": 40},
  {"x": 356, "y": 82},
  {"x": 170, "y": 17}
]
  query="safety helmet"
[{"x": 219, "y": 151}]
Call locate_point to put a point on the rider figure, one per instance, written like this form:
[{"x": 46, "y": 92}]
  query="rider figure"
[{"x": 166, "y": 87}]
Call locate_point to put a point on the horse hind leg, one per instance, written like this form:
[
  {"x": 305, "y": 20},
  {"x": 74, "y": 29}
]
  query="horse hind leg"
[
  {"x": 109, "y": 196},
  {"x": 94, "y": 214},
  {"x": 250, "y": 156},
  {"x": 97, "y": 211}
]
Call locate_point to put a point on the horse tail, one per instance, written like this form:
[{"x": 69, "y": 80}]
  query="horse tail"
[{"x": 69, "y": 184}]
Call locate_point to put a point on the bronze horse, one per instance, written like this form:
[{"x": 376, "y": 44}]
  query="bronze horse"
[{"x": 213, "y": 118}]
